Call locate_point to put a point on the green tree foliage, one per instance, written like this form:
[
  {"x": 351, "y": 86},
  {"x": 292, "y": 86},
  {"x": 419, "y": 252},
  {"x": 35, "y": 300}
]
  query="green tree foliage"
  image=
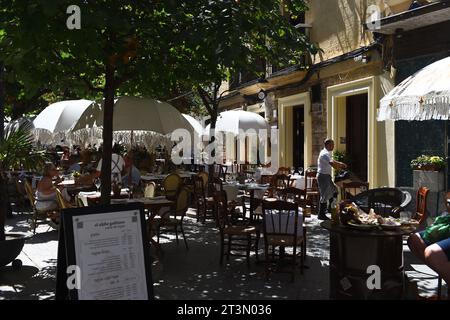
[
  {"x": 16, "y": 151},
  {"x": 142, "y": 48},
  {"x": 121, "y": 48},
  {"x": 226, "y": 36}
]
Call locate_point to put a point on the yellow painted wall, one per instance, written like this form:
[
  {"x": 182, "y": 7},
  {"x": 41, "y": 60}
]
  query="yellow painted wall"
[
  {"x": 285, "y": 125},
  {"x": 380, "y": 134},
  {"x": 337, "y": 25},
  {"x": 341, "y": 124}
]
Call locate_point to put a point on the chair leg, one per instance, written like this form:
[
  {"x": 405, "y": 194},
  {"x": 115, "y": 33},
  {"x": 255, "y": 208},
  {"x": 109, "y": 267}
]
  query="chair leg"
[
  {"x": 222, "y": 244},
  {"x": 294, "y": 262},
  {"x": 198, "y": 212},
  {"x": 184, "y": 237},
  {"x": 34, "y": 222},
  {"x": 249, "y": 247},
  {"x": 268, "y": 260},
  {"x": 304, "y": 245},
  {"x": 256, "y": 247},
  {"x": 176, "y": 233},
  {"x": 158, "y": 230},
  {"x": 229, "y": 247},
  {"x": 439, "y": 287}
]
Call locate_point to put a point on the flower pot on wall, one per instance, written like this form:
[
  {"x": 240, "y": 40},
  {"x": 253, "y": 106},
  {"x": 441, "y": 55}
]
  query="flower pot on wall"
[{"x": 433, "y": 180}]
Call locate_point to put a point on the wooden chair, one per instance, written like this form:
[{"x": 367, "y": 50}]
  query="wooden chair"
[
  {"x": 284, "y": 170},
  {"x": 37, "y": 214},
  {"x": 281, "y": 229},
  {"x": 199, "y": 196},
  {"x": 174, "y": 217},
  {"x": 312, "y": 190},
  {"x": 205, "y": 178},
  {"x": 171, "y": 184},
  {"x": 351, "y": 189},
  {"x": 216, "y": 184},
  {"x": 279, "y": 182},
  {"x": 19, "y": 196},
  {"x": 298, "y": 196},
  {"x": 220, "y": 170},
  {"x": 266, "y": 179},
  {"x": 421, "y": 206},
  {"x": 234, "y": 237}
]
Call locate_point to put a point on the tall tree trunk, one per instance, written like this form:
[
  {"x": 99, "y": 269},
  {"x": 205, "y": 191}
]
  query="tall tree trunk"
[
  {"x": 3, "y": 183},
  {"x": 212, "y": 133},
  {"x": 107, "y": 134}
]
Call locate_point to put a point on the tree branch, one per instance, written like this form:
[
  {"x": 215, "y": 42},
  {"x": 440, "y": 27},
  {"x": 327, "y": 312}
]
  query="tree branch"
[
  {"x": 205, "y": 98},
  {"x": 77, "y": 75}
]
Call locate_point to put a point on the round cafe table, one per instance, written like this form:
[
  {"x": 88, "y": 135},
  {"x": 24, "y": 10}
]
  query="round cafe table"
[{"x": 354, "y": 252}]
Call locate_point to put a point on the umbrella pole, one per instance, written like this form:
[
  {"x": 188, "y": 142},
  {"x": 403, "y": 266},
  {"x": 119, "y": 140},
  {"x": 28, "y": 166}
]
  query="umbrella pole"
[
  {"x": 446, "y": 155},
  {"x": 131, "y": 139}
]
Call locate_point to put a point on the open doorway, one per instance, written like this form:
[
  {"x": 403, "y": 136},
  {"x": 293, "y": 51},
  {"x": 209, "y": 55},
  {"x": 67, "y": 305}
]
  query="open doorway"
[
  {"x": 357, "y": 134},
  {"x": 298, "y": 138}
]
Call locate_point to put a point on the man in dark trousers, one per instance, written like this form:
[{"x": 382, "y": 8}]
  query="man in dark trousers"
[{"x": 327, "y": 188}]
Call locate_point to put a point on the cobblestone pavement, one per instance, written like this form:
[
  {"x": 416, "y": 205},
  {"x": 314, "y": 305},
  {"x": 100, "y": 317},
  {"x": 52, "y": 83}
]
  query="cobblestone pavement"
[{"x": 194, "y": 273}]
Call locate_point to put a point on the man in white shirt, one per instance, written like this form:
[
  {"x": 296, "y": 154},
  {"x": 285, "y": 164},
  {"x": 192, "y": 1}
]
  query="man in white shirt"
[
  {"x": 327, "y": 188},
  {"x": 117, "y": 164}
]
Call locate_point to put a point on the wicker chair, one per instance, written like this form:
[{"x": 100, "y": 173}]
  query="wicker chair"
[{"x": 37, "y": 214}]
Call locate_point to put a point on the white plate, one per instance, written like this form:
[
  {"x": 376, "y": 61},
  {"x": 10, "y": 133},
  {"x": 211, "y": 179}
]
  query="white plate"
[
  {"x": 391, "y": 226},
  {"x": 361, "y": 226}
]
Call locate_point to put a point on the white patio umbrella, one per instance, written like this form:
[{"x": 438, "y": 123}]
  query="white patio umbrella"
[
  {"x": 18, "y": 122},
  {"x": 56, "y": 121},
  {"x": 133, "y": 113},
  {"x": 423, "y": 96},
  {"x": 137, "y": 120},
  {"x": 236, "y": 120},
  {"x": 198, "y": 128}
]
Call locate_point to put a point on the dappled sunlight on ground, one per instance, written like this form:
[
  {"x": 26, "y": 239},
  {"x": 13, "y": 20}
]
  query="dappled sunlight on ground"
[{"x": 195, "y": 273}]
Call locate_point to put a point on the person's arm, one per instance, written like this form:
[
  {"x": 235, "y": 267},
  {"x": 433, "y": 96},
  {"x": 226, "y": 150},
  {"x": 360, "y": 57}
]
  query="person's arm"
[{"x": 337, "y": 164}]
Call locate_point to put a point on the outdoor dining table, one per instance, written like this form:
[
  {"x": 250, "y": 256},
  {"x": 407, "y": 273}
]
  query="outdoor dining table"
[
  {"x": 159, "y": 177},
  {"x": 153, "y": 205},
  {"x": 75, "y": 188},
  {"x": 93, "y": 197},
  {"x": 299, "y": 182},
  {"x": 255, "y": 190},
  {"x": 356, "y": 253}
]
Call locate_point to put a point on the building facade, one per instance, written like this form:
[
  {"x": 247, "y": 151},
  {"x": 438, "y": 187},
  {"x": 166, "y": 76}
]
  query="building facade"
[{"x": 337, "y": 92}]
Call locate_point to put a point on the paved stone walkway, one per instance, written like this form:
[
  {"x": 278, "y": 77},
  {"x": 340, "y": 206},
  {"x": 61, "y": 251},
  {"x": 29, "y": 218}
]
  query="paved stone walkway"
[{"x": 194, "y": 273}]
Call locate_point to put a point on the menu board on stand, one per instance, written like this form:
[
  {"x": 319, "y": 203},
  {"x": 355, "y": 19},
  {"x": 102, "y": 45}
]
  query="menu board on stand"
[{"x": 103, "y": 254}]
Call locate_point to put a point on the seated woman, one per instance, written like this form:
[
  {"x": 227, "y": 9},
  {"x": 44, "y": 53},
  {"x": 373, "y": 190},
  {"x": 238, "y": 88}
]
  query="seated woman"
[
  {"x": 130, "y": 171},
  {"x": 46, "y": 191},
  {"x": 432, "y": 245}
]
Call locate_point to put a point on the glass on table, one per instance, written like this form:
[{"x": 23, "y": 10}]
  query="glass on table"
[
  {"x": 405, "y": 216},
  {"x": 97, "y": 183}
]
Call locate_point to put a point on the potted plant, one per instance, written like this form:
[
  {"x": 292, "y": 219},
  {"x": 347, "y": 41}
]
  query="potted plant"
[
  {"x": 427, "y": 172},
  {"x": 428, "y": 163},
  {"x": 341, "y": 156},
  {"x": 16, "y": 150}
]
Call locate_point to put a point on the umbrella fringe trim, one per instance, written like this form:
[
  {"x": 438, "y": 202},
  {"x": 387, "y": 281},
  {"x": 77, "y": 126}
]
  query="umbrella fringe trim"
[{"x": 433, "y": 108}]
